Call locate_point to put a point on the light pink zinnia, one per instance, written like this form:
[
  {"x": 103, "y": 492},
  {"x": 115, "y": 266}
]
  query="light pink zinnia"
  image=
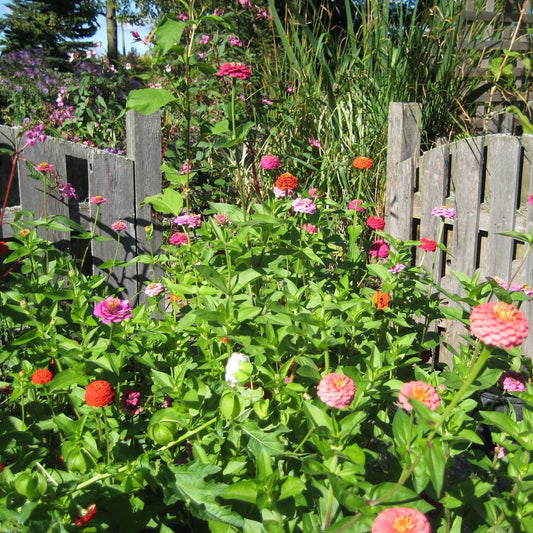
[
  {"x": 192, "y": 221},
  {"x": 356, "y": 205},
  {"x": 269, "y": 162},
  {"x": 512, "y": 381},
  {"x": 444, "y": 212},
  {"x": 280, "y": 193},
  {"x": 113, "y": 310},
  {"x": 153, "y": 289},
  {"x": 401, "y": 520},
  {"x": 178, "y": 239},
  {"x": 421, "y": 391},
  {"x": 499, "y": 324},
  {"x": 379, "y": 249},
  {"x": 119, "y": 225},
  {"x": 98, "y": 200},
  {"x": 336, "y": 390},
  {"x": 234, "y": 70},
  {"x": 303, "y": 205},
  {"x": 396, "y": 269}
]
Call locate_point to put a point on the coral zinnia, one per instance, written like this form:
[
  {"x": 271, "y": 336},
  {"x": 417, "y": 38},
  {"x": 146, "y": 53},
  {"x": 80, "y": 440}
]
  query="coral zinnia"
[
  {"x": 375, "y": 223},
  {"x": 428, "y": 245},
  {"x": 381, "y": 299},
  {"x": 499, "y": 324},
  {"x": 42, "y": 376},
  {"x": 421, "y": 391},
  {"x": 113, "y": 310},
  {"x": 286, "y": 182},
  {"x": 234, "y": 70},
  {"x": 363, "y": 162},
  {"x": 336, "y": 390},
  {"x": 99, "y": 393},
  {"x": 401, "y": 520}
]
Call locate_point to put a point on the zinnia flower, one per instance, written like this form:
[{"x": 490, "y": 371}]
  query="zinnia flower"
[
  {"x": 119, "y": 225},
  {"x": 499, "y": 324},
  {"x": 67, "y": 192},
  {"x": 314, "y": 193},
  {"x": 234, "y": 70},
  {"x": 98, "y": 200},
  {"x": 99, "y": 393},
  {"x": 44, "y": 167},
  {"x": 310, "y": 228},
  {"x": 87, "y": 517},
  {"x": 336, "y": 390},
  {"x": 356, "y": 205},
  {"x": 286, "y": 182},
  {"x": 42, "y": 376},
  {"x": 512, "y": 381},
  {"x": 428, "y": 245},
  {"x": 381, "y": 299},
  {"x": 421, "y": 391},
  {"x": 363, "y": 162},
  {"x": 269, "y": 162},
  {"x": 530, "y": 199},
  {"x": 232, "y": 367},
  {"x": 178, "y": 238},
  {"x": 113, "y": 310},
  {"x": 401, "y": 520},
  {"x": 379, "y": 249},
  {"x": 279, "y": 193},
  {"x": 303, "y": 205},
  {"x": 24, "y": 232},
  {"x": 131, "y": 402},
  {"x": 375, "y": 223},
  {"x": 153, "y": 289},
  {"x": 221, "y": 220},
  {"x": 443, "y": 211},
  {"x": 192, "y": 221},
  {"x": 396, "y": 269}
]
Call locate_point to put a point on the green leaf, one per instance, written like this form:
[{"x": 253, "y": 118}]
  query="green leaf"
[
  {"x": 244, "y": 490},
  {"x": 292, "y": 486},
  {"x": 169, "y": 201},
  {"x": 262, "y": 440},
  {"x": 244, "y": 278},
  {"x": 169, "y": 33},
  {"x": 148, "y": 101},
  {"x": 436, "y": 464},
  {"x": 64, "y": 379},
  {"x": 318, "y": 417}
]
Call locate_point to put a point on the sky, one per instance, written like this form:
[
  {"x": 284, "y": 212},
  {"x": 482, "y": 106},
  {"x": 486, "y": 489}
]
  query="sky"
[{"x": 100, "y": 35}]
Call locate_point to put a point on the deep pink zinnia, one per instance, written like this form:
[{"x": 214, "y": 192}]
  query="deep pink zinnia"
[
  {"x": 310, "y": 228},
  {"x": 375, "y": 222},
  {"x": 499, "y": 324},
  {"x": 379, "y": 249},
  {"x": 401, "y": 520},
  {"x": 178, "y": 239},
  {"x": 336, "y": 390},
  {"x": 113, "y": 310},
  {"x": 269, "y": 162},
  {"x": 428, "y": 245},
  {"x": 234, "y": 70},
  {"x": 421, "y": 391}
]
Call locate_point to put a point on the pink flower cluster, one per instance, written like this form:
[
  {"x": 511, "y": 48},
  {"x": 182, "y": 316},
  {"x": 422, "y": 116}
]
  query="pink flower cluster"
[
  {"x": 336, "y": 390},
  {"x": 113, "y": 310},
  {"x": 153, "y": 289},
  {"x": 303, "y": 205},
  {"x": 280, "y": 193},
  {"x": 357, "y": 206},
  {"x": 310, "y": 228},
  {"x": 379, "y": 249}
]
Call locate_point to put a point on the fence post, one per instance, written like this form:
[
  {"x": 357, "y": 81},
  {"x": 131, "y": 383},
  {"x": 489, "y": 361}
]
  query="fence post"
[
  {"x": 143, "y": 134},
  {"x": 405, "y": 123}
]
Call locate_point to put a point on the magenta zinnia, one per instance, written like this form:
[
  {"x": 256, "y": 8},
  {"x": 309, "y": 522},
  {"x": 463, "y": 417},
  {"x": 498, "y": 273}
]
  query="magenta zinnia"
[
  {"x": 499, "y": 324},
  {"x": 376, "y": 223},
  {"x": 234, "y": 70},
  {"x": 178, "y": 239},
  {"x": 379, "y": 249},
  {"x": 401, "y": 520},
  {"x": 421, "y": 391},
  {"x": 113, "y": 310},
  {"x": 512, "y": 381},
  {"x": 269, "y": 162},
  {"x": 336, "y": 390}
]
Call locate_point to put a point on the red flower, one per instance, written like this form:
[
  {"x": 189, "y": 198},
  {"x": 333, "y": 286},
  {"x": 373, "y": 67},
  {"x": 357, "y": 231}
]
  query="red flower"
[
  {"x": 401, "y": 520},
  {"x": 375, "y": 222},
  {"x": 42, "y": 376},
  {"x": 4, "y": 250},
  {"x": 235, "y": 70},
  {"x": 421, "y": 391},
  {"x": 99, "y": 393},
  {"x": 499, "y": 324},
  {"x": 224, "y": 340},
  {"x": 363, "y": 162},
  {"x": 336, "y": 390},
  {"x": 87, "y": 517},
  {"x": 428, "y": 245},
  {"x": 381, "y": 299},
  {"x": 286, "y": 182}
]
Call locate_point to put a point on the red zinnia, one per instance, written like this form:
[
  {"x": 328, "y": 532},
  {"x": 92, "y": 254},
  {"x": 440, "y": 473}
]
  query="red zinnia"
[
  {"x": 363, "y": 162},
  {"x": 87, "y": 517},
  {"x": 99, "y": 393},
  {"x": 336, "y": 390},
  {"x": 4, "y": 250},
  {"x": 499, "y": 324},
  {"x": 428, "y": 245},
  {"x": 401, "y": 520},
  {"x": 421, "y": 391},
  {"x": 286, "y": 182},
  {"x": 381, "y": 299},
  {"x": 376, "y": 222},
  {"x": 42, "y": 376},
  {"x": 235, "y": 70}
]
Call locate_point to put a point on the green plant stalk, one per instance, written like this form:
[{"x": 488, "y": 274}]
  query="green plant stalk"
[
  {"x": 117, "y": 247},
  {"x": 93, "y": 232}
]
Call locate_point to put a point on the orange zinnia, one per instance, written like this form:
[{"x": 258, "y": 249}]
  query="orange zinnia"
[
  {"x": 42, "y": 376},
  {"x": 99, "y": 393},
  {"x": 381, "y": 299},
  {"x": 286, "y": 182},
  {"x": 363, "y": 162}
]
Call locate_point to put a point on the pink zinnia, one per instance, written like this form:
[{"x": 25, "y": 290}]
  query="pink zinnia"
[
  {"x": 269, "y": 162},
  {"x": 192, "y": 221},
  {"x": 401, "y": 520},
  {"x": 178, "y": 239},
  {"x": 221, "y": 220},
  {"x": 310, "y": 228},
  {"x": 336, "y": 390},
  {"x": 314, "y": 193},
  {"x": 44, "y": 167},
  {"x": 131, "y": 402},
  {"x": 499, "y": 324},
  {"x": 153, "y": 289},
  {"x": 379, "y": 249},
  {"x": 443, "y": 211},
  {"x": 98, "y": 200},
  {"x": 234, "y": 70},
  {"x": 280, "y": 193},
  {"x": 421, "y": 391},
  {"x": 512, "y": 381},
  {"x": 428, "y": 245},
  {"x": 396, "y": 269},
  {"x": 530, "y": 199},
  {"x": 119, "y": 225},
  {"x": 113, "y": 310},
  {"x": 356, "y": 205},
  {"x": 303, "y": 205},
  {"x": 376, "y": 222}
]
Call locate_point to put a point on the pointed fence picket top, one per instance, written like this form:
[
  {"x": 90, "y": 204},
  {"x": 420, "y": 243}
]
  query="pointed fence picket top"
[
  {"x": 488, "y": 180},
  {"x": 125, "y": 181}
]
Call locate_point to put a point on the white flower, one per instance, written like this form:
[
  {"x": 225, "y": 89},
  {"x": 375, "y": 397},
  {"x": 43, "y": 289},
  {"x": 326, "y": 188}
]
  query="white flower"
[{"x": 232, "y": 367}]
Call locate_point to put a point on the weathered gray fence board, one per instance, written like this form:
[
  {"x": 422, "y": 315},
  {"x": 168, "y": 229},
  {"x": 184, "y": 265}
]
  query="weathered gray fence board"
[{"x": 488, "y": 180}]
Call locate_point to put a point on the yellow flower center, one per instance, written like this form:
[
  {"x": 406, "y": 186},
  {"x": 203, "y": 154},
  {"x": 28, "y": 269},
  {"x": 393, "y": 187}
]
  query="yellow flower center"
[
  {"x": 113, "y": 305},
  {"x": 420, "y": 393},
  {"x": 340, "y": 382},
  {"x": 403, "y": 524},
  {"x": 98, "y": 198},
  {"x": 505, "y": 311}
]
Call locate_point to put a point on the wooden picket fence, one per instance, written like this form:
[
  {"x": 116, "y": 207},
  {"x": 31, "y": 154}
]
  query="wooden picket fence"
[
  {"x": 487, "y": 179},
  {"x": 124, "y": 180}
]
